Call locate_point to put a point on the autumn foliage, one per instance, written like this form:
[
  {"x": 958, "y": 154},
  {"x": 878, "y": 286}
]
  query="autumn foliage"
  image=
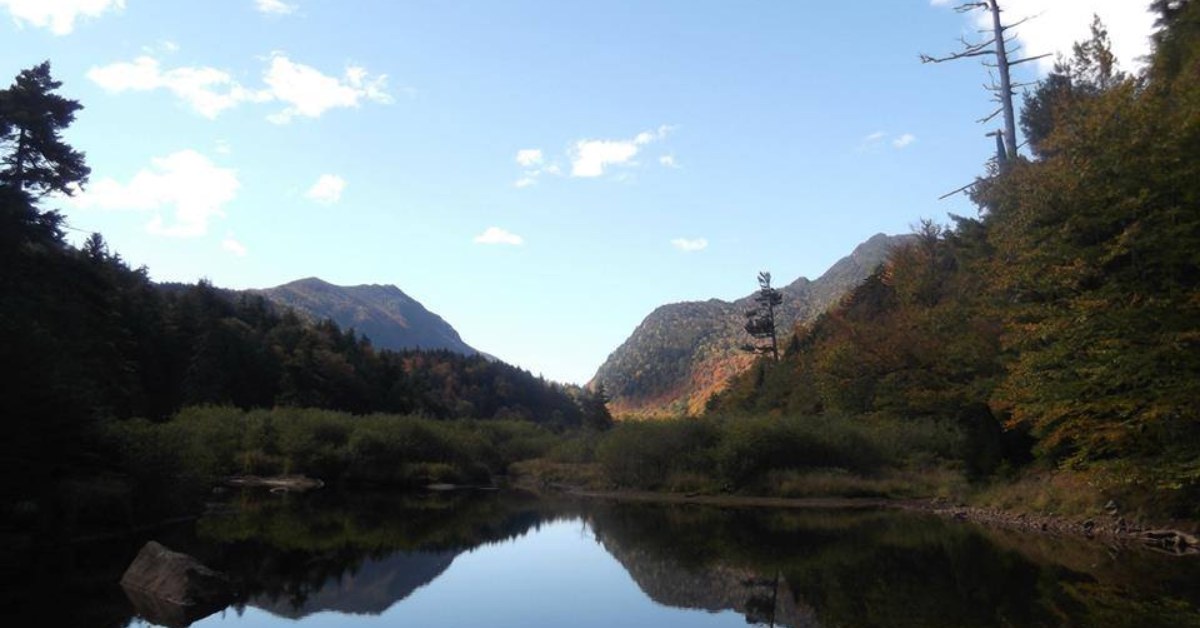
[{"x": 1062, "y": 323}]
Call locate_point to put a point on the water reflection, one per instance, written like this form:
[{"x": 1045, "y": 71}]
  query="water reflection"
[{"x": 468, "y": 559}]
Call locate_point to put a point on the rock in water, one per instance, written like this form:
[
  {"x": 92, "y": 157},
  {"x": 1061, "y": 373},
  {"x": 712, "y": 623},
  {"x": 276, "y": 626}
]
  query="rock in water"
[{"x": 173, "y": 589}]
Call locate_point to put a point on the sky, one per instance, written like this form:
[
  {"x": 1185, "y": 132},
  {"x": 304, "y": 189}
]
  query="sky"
[{"x": 540, "y": 174}]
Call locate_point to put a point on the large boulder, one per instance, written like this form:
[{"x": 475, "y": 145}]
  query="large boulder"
[{"x": 172, "y": 588}]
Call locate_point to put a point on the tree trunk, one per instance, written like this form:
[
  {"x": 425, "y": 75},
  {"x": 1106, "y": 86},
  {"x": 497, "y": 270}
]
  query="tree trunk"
[{"x": 1006, "y": 94}]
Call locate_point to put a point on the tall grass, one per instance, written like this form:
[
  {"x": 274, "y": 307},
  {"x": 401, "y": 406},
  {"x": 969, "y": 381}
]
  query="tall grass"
[
  {"x": 200, "y": 445},
  {"x": 744, "y": 452}
]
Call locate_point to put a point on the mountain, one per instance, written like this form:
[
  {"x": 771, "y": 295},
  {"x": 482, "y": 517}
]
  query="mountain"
[
  {"x": 682, "y": 353},
  {"x": 383, "y": 313}
]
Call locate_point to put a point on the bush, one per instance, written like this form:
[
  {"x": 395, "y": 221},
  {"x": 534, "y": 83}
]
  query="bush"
[
  {"x": 644, "y": 454},
  {"x": 752, "y": 447},
  {"x": 200, "y": 445}
]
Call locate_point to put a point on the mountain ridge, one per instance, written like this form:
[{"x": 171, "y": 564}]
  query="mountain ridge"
[
  {"x": 683, "y": 352},
  {"x": 384, "y": 313}
]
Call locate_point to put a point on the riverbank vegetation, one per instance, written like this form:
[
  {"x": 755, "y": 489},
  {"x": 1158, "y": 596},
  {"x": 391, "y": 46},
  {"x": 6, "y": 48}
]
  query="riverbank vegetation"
[
  {"x": 1047, "y": 349},
  {"x": 1059, "y": 330}
]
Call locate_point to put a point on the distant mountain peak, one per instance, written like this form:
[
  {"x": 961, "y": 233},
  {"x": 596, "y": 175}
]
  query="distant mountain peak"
[{"x": 381, "y": 312}]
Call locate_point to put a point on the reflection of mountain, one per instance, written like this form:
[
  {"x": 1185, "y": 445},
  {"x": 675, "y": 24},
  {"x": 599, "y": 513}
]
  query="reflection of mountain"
[
  {"x": 713, "y": 588},
  {"x": 370, "y": 590}
]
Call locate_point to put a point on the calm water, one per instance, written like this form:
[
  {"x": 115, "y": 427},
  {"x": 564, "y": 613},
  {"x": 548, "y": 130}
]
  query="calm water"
[{"x": 490, "y": 559}]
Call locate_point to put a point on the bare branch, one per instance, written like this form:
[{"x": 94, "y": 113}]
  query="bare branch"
[
  {"x": 1028, "y": 59},
  {"x": 970, "y": 6},
  {"x": 990, "y": 116},
  {"x": 1020, "y": 22},
  {"x": 959, "y": 190}
]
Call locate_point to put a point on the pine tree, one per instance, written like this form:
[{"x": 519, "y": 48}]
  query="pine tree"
[{"x": 35, "y": 158}]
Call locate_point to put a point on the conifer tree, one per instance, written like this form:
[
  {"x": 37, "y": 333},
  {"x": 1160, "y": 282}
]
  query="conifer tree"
[{"x": 35, "y": 158}]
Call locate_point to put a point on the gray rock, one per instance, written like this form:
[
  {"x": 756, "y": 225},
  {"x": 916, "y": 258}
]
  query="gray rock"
[{"x": 172, "y": 588}]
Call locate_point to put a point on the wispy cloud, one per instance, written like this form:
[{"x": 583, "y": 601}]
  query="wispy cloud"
[
  {"x": 309, "y": 93},
  {"x": 875, "y": 141},
  {"x": 232, "y": 245},
  {"x": 208, "y": 91},
  {"x": 689, "y": 245},
  {"x": 327, "y": 190},
  {"x": 590, "y": 158},
  {"x": 274, "y": 7},
  {"x": 304, "y": 90},
  {"x": 496, "y": 235},
  {"x": 529, "y": 157},
  {"x": 186, "y": 183},
  {"x": 58, "y": 15}
]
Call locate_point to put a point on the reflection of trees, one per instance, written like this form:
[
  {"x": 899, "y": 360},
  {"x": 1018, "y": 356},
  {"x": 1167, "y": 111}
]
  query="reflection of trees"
[
  {"x": 761, "y": 607},
  {"x": 871, "y": 569},
  {"x": 356, "y": 554},
  {"x": 794, "y": 568}
]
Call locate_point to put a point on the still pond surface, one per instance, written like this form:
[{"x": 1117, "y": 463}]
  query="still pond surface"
[{"x": 492, "y": 559}]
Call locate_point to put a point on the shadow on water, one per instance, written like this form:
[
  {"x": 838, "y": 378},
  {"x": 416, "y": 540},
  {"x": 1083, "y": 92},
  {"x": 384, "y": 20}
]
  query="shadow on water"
[{"x": 363, "y": 554}]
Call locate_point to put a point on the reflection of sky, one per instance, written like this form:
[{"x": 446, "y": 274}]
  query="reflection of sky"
[{"x": 555, "y": 576}]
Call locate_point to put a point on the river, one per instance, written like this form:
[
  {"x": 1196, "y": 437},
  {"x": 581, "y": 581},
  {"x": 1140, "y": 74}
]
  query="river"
[{"x": 510, "y": 559}]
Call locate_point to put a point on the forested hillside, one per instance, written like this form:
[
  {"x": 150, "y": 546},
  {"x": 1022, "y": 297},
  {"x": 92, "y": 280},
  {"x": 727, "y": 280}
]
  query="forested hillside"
[
  {"x": 684, "y": 352},
  {"x": 1062, "y": 323},
  {"x": 87, "y": 340}
]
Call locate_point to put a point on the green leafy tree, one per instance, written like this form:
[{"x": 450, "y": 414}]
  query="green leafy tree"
[{"x": 1091, "y": 71}]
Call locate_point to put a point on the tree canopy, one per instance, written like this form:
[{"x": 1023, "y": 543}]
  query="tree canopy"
[{"x": 32, "y": 117}]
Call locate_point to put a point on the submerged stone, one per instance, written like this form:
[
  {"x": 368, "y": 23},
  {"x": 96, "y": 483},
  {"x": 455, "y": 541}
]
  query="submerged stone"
[{"x": 172, "y": 588}]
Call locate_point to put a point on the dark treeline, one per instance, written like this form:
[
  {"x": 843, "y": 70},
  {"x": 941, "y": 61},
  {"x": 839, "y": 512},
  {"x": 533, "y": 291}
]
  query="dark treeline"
[
  {"x": 85, "y": 339},
  {"x": 1060, "y": 326}
]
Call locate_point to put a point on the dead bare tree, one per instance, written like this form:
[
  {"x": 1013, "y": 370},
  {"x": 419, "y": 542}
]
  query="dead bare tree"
[{"x": 998, "y": 47}]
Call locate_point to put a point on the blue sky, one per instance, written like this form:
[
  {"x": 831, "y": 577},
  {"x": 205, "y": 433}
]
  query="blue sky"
[{"x": 542, "y": 174}]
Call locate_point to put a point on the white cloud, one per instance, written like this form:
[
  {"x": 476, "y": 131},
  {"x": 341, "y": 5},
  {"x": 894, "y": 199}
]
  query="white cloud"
[
  {"x": 186, "y": 182},
  {"x": 57, "y": 15},
  {"x": 688, "y": 246},
  {"x": 590, "y": 158},
  {"x": 209, "y": 91},
  {"x": 1058, "y": 25},
  {"x": 645, "y": 137},
  {"x": 496, "y": 235},
  {"x": 309, "y": 93},
  {"x": 274, "y": 7},
  {"x": 668, "y": 161},
  {"x": 529, "y": 157},
  {"x": 525, "y": 182},
  {"x": 233, "y": 246},
  {"x": 327, "y": 190},
  {"x": 875, "y": 142}
]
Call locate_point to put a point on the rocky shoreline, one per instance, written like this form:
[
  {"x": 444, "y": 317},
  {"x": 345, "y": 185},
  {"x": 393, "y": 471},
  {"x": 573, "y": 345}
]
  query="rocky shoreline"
[{"x": 1113, "y": 527}]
